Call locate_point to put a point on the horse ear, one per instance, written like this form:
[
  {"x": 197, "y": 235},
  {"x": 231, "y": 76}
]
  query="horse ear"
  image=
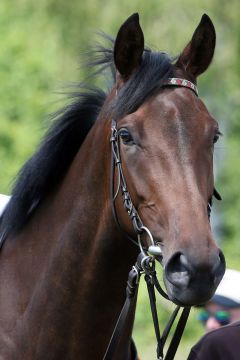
[
  {"x": 129, "y": 46},
  {"x": 198, "y": 54}
]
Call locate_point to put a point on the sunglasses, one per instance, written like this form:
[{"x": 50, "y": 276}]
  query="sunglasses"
[{"x": 221, "y": 316}]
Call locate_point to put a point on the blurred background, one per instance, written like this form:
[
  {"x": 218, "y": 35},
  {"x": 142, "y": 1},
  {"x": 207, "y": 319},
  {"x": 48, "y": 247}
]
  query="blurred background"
[{"x": 41, "y": 49}]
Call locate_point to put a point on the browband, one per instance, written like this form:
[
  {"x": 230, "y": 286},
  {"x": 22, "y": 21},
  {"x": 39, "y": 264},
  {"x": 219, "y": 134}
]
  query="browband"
[{"x": 181, "y": 82}]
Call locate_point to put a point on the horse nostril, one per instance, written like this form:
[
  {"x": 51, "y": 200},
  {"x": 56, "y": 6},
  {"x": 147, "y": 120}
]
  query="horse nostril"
[{"x": 177, "y": 270}]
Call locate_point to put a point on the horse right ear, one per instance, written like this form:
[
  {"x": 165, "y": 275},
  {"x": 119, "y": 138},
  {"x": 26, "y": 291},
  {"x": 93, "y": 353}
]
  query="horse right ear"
[
  {"x": 198, "y": 54},
  {"x": 129, "y": 46}
]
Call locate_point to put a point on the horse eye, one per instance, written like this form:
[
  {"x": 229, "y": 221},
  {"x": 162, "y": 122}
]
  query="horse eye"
[
  {"x": 216, "y": 136},
  {"x": 126, "y": 137},
  {"x": 215, "y": 139}
]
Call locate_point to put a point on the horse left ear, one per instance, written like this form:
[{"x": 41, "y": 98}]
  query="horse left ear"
[
  {"x": 198, "y": 54},
  {"x": 129, "y": 46}
]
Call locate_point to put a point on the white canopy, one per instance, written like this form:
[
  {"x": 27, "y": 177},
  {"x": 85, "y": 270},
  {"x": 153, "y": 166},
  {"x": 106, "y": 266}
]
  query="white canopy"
[{"x": 4, "y": 199}]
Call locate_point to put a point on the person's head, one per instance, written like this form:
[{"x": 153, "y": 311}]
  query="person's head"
[{"x": 224, "y": 307}]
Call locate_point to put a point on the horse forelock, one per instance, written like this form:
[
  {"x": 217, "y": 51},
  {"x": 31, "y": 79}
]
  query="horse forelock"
[{"x": 146, "y": 80}]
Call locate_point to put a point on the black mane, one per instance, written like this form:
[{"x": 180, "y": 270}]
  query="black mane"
[{"x": 47, "y": 166}]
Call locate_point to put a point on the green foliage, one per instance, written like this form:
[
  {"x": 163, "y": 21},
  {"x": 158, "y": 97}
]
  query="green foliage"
[{"x": 40, "y": 49}]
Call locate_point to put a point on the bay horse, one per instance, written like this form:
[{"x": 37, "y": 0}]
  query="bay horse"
[{"x": 64, "y": 259}]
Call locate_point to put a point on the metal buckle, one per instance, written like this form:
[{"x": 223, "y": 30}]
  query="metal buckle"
[{"x": 153, "y": 250}]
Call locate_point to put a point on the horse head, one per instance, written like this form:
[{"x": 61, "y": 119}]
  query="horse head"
[{"x": 166, "y": 140}]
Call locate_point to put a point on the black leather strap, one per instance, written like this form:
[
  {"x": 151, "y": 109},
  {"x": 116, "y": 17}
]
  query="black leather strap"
[
  {"x": 134, "y": 355},
  {"x": 178, "y": 334},
  {"x": 169, "y": 325},
  {"x": 152, "y": 282},
  {"x": 131, "y": 298},
  {"x": 152, "y": 298},
  {"x": 146, "y": 264}
]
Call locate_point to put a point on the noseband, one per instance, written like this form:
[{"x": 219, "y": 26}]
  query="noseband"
[{"x": 145, "y": 263}]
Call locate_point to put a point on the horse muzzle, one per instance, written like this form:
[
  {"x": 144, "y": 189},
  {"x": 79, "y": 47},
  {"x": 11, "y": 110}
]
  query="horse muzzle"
[{"x": 193, "y": 283}]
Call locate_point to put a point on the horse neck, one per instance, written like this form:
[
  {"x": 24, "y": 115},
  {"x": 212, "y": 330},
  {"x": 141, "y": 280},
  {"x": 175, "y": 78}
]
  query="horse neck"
[{"x": 85, "y": 278}]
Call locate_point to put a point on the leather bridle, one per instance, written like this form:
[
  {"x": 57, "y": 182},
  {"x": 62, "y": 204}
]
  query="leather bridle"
[
  {"x": 145, "y": 263},
  {"x": 121, "y": 182}
]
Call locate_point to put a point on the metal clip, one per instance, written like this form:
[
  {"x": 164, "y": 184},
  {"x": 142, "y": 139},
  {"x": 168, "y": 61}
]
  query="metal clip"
[
  {"x": 154, "y": 250},
  {"x": 148, "y": 265},
  {"x": 138, "y": 274},
  {"x": 144, "y": 228}
]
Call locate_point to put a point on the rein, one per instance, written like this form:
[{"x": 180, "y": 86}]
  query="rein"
[{"x": 145, "y": 263}]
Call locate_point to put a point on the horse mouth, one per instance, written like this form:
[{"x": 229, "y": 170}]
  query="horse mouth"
[{"x": 188, "y": 297}]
